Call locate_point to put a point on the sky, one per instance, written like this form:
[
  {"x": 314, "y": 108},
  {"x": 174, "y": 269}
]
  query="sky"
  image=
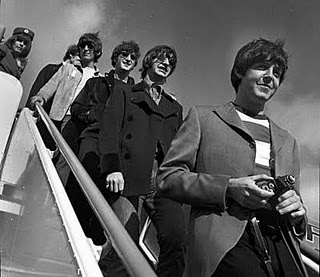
[{"x": 206, "y": 35}]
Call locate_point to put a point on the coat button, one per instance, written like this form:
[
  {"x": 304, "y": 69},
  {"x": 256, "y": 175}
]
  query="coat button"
[
  {"x": 127, "y": 156},
  {"x": 251, "y": 144},
  {"x": 130, "y": 117},
  {"x": 128, "y": 136}
]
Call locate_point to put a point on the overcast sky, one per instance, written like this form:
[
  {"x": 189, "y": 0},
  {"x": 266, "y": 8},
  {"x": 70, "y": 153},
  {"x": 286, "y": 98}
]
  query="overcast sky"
[{"x": 206, "y": 35}]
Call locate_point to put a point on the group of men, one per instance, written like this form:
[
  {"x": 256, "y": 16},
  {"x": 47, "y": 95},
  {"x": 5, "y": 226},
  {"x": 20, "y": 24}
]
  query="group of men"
[
  {"x": 136, "y": 123},
  {"x": 133, "y": 142}
]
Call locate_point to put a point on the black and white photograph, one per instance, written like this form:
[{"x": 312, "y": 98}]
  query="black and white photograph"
[{"x": 169, "y": 138}]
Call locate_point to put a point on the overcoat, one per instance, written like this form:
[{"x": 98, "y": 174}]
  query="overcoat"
[
  {"x": 8, "y": 63},
  {"x": 212, "y": 146},
  {"x": 132, "y": 127},
  {"x": 88, "y": 106}
]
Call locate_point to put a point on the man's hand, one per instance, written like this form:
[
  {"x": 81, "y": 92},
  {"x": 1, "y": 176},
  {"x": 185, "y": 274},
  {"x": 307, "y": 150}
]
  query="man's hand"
[
  {"x": 35, "y": 99},
  {"x": 115, "y": 182},
  {"x": 290, "y": 203},
  {"x": 246, "y": 192}
]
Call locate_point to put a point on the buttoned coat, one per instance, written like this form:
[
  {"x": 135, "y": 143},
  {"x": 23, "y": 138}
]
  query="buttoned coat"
[
  {"x": 87, "y": 108},
  {"x": 212, "y": 146},
  {"x": 132, "y": 126}
]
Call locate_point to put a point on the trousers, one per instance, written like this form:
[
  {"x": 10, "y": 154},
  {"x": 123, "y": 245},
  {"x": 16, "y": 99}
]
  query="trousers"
[{"x": 166, "y": 215}]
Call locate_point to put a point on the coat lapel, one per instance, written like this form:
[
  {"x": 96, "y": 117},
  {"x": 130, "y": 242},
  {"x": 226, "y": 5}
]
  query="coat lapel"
[
  {"x": 140, "y": 96},
  {"x": 278, "y": 136},
  {"x": 228, "y": 114},
  {"x": 167, "y": 105},
  {"x": 110, "y": 78}
]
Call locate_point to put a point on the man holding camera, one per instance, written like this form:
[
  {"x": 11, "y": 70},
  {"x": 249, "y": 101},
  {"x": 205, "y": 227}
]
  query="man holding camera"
[{"x": 221, "y": 161}]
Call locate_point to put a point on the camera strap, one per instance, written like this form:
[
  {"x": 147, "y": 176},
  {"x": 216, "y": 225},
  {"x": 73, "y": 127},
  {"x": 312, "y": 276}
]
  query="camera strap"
[{"x": 262, "y": 245}]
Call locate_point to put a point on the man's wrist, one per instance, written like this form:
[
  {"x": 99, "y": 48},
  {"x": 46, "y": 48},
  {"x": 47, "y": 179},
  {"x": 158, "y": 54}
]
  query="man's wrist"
[{"x": 228, "y": 197}]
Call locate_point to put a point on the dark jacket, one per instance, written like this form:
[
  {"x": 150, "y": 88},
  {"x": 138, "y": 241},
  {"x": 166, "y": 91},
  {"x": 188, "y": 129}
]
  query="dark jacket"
[
  {"x": 131, "y": 129},
  {"x": 212, "y": 146},
  {"x": 8, "y": 63},
  {"x": 87, "y": 108}
]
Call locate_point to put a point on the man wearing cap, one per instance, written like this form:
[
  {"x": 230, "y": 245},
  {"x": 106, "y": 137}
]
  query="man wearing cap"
[
  {"x": 138, "y": 125},
  {"x": 14, "y": 49}
]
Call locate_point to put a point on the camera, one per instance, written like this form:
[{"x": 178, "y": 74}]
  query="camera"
[{"x": 279, "y": 186}]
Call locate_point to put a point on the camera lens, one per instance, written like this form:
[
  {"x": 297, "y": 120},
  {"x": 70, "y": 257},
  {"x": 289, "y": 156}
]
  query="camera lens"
[{"x": 290, "y": 179}]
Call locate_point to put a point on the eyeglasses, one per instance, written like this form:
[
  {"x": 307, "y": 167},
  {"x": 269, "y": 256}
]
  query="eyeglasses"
[
  {"x": 162, "y": 56},
  {"x": 90, "y": 45},
  {"x": 127, "y": 54}
]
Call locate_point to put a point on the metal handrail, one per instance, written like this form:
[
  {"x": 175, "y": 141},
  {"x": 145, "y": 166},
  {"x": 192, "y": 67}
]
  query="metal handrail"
[
  {"x": 310, "y": 252},
  {"x": 132, "y": 258},
  {"x": 310, "y": 256}
]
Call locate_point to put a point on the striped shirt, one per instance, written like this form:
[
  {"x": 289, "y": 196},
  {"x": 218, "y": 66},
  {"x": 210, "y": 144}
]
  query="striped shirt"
[{"x": 259, "y": 128}]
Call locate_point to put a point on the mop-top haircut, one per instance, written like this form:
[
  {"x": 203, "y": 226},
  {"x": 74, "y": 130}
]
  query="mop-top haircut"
[
  {"x": 159, "y": 53},
  {"x": 94, "y": 39},
  {"x": 259, "y": 51},
  {"x": 129, "y": 47}
]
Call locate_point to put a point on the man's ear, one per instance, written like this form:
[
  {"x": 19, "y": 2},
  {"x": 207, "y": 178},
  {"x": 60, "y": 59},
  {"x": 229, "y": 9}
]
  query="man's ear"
[{"x": 98, "y": 54}]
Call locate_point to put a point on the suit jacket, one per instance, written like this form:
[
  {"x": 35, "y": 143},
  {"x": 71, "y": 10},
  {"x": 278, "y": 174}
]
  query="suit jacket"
[
  {"x": 212, "y": 146},
  {"x": 63, "y": 87},
  {"x": 132, "y": 127},
  {"x": 43, "y": 77}
]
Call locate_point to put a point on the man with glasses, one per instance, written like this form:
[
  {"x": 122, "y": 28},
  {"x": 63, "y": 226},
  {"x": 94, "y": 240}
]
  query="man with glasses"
[
  {"x": 86, "y": 111},
  {"x": 137, "y": 127},
  {"x": 67, "y": 82},
  {"x": 90, "y": 50},
  {"x": 46, "y": 73},
  {"x": 63, "y": 87}
]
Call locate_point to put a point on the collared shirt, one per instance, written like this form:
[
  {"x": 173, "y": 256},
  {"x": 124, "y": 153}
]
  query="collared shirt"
[
  {"x": 87, "y": 73},
  {"x": 116, "y": 77},
  {"x": 155, "y": 90}
]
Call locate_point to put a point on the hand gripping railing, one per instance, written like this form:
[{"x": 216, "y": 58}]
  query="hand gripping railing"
[{"x": 132, "y": 258}]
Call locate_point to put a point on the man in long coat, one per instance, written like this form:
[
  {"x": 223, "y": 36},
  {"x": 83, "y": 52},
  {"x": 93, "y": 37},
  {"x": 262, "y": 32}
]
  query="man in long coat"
[
  {"x": 137, "y": 128},
  {"x": 86, "y": 111},
  {"x": 217, "y": 162}
]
